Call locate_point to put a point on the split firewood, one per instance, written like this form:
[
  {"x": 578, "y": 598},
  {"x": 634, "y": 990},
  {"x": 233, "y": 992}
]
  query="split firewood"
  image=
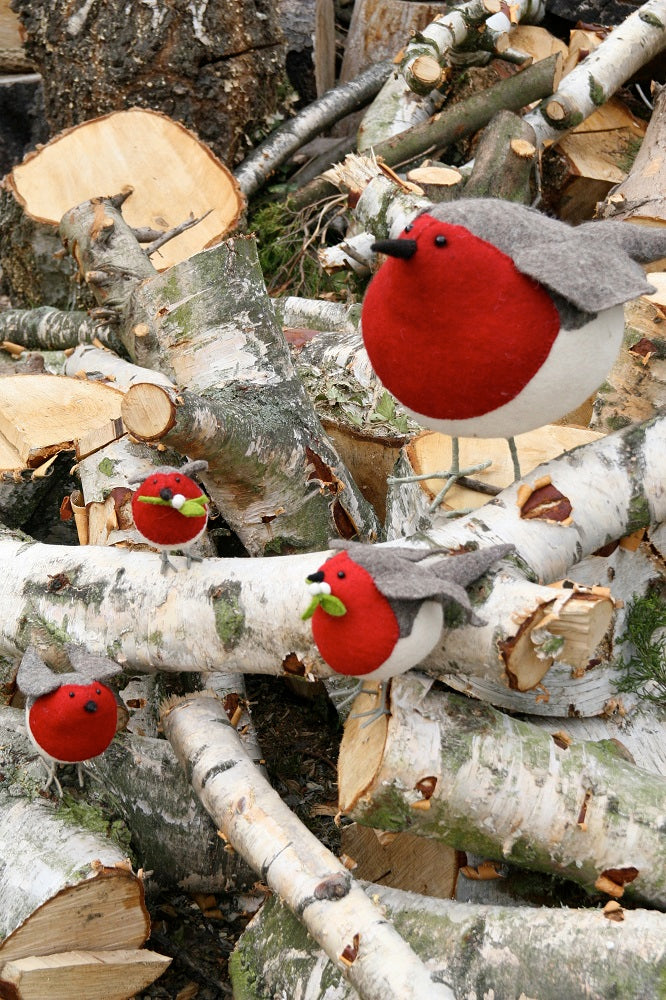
[
  {"x": 13, "y": 58},
  {"x": 401, "y": 860},
  {"x": 235, "y": 373},
  {"x": 519, "y": 951},
  {"x": 446, "y": 767},
  {"x": 364, "y": 946},
  {"x": 43, "y": 414},
  {"x": 627, "y": 48},
  {"x": 640, "y": 196},
  {"x": 38, "y": 191},
  {"x": 589, "y": 161},
  {"x": 81, "y": 895},
  {"x": 97, "y": 975}
]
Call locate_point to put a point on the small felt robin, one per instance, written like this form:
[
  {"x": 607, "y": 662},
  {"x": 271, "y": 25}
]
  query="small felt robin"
[
  {"x": 70, "y": 717},
  {"x": 490, "y": 319},
  {"x": 170, "y": 511},
  {"x": 377, "y": 611}
]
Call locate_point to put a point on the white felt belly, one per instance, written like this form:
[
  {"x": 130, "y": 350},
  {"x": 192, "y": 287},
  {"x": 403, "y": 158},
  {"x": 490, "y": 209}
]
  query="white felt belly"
[
  {"x": 413, "y": 648},
  {"x": 577, "y": 364}
]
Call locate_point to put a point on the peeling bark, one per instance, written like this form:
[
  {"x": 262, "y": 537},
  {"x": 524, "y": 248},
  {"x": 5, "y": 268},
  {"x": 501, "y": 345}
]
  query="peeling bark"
[
  {"x": 462, "y": 772},
  {"x": 517, "y": 951}
]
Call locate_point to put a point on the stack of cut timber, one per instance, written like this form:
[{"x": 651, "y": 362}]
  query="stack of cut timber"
[{"x": 40, "y": 416}]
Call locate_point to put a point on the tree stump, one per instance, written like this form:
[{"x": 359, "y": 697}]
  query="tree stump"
[{"x": 218, "y": 70}]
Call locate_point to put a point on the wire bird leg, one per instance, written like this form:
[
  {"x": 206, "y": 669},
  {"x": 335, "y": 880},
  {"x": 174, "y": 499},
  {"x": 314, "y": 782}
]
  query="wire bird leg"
[{"x": 380, "y": 709}]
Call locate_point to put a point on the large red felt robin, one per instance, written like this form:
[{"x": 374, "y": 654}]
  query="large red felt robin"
[
  {"x": 70, "y": 717},
  {"x": 170, "y": 511},
  {"x": 490, "y": 319},
  {"x": 377, "y": 611}
]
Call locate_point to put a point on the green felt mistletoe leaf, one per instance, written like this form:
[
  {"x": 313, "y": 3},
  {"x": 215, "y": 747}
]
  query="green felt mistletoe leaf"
[
  {"x": 158, "y": 500},
  {"x": 196, "y": 507},
  {"x": 328, "y": 603}
]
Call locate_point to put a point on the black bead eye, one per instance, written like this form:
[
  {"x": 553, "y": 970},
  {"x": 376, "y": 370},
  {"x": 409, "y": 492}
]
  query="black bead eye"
[
  {"x": 341, "y": 574},
  {"x": 71, "y": 694},
  {"x": 177, "y": 479},
  {"x": 98, "y": 690},
  {"x": 440, "y": 240},
  {"x": 409, "y": 227},
  {"x": 154, "y": 482}
]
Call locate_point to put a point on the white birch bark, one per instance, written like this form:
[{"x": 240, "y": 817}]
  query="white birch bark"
[
  {"x": 244, "y": 614},
  {"x": 630, "y": 46},
  {"x": 45, "y": 856},
  {"x": 354, "y": 933},
  {"x": 445, "y": 767},
  {"x": 395, "y": 108},
  {"x": 543, "y": 952}
]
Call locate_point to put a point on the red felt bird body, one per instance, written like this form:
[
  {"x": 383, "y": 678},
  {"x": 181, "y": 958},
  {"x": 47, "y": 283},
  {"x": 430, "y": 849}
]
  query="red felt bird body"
[
  {"x": 70, "y": 717},
  {"x": 169, "y": 509},
  {"x": 490, "y": 319},
  {"x": 377, "y": 611}
]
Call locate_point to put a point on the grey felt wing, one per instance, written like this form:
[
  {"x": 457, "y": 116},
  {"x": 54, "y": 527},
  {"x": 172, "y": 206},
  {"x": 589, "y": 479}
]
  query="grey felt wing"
[
  {"x": 590, "y": 274},
  {"x": 90, "y": 666},
  {"x": 591, "y": 266},
  {"x": 418, "y": 582},
  {"x": 34, "y": 678}
]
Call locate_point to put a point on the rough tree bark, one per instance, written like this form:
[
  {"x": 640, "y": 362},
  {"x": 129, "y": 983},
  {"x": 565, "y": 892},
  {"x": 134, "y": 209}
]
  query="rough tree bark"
[
  {"x": 221, "y": 78},
  {"x": 446, "y": 767},
  {"x": 541, "y": 952},
  {"x": 208, "y": 324}
]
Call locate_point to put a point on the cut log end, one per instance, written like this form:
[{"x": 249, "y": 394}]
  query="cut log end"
[
  {"x": 427, "y": 71},
  {"x": 196, "y": 184},
  {"x": 148, "y": 411}
]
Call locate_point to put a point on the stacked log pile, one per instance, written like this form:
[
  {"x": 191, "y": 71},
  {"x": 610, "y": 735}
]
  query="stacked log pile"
[{"x": 513, "y": 749}]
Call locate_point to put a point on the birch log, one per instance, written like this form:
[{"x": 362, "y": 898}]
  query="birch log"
[
  {"x": 315, "y": 885},
  {"x": 641, "y": 196},
  {"x": 208, "y": 323},
  {"x": 395, "y": 109},
  {"x": 483, "y": 951},
  {"x": 629, "y": 47},
  {"x": 442, "y": 766},
  {"x": 244, "y": 614},
  {"x": 62, "y": 887},
  {"x": 335, "y": 104},
  {"x": 48, "y": 329}
]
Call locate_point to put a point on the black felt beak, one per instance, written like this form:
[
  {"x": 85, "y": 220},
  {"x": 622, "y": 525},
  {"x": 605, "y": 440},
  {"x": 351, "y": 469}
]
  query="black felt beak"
[
  {"x": 395, "y": 248},
  {"x": 315, "y": 577}
]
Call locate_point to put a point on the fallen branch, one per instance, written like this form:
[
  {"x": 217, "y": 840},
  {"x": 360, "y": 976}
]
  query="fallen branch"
[
  {"x": 453, "y": 123},
  {"x": 545, "y": 952},
  {"x": 230, "y": 615},
  {"x": 253, "y": 818},
  {"x": 454, "y": 34},
  {"x": 257, "y": 167},
  {"x": 446, "y": 767},
  {"x": 48, "y": 329}
]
